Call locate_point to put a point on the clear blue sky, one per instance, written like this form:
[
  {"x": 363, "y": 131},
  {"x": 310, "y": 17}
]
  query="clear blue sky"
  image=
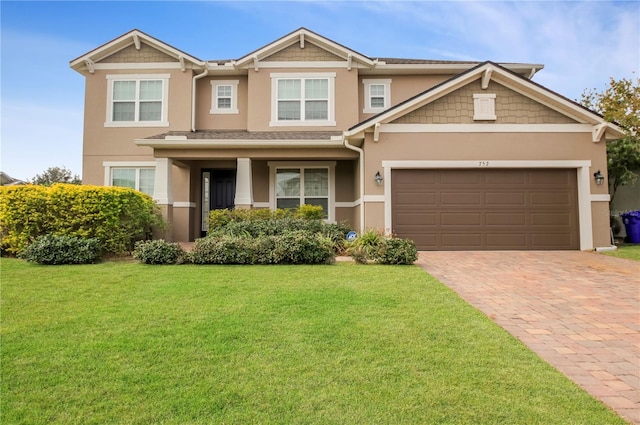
[{"x": 581, "y": 44}]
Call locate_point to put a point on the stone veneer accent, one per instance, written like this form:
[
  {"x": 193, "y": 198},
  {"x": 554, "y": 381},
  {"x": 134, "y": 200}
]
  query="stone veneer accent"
[
  {"x": 457, "y": 108},
  {"x": 310, "y": 53},
  {"x": 146, "y": 54}
]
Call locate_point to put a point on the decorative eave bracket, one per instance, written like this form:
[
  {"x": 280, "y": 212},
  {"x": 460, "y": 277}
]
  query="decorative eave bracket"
[
  {"x": 90, "y": 64},
  {"x": 181, "y": 59},
  {"x": 349, "y": 61},
  {"x": 598, "y": 131},
  {"x": 486, "y": 78},
  {"x": 376, "y": 132},
  {"x": 302, "y": 40},
  {"x": 256, "y": 62},
  {"x": 136, "y": 41}
]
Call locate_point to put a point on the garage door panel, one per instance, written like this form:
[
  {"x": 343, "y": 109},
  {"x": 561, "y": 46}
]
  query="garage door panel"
[
  {"x": 551, "y": 219},
  {"x": 461, "y": 219},
  {"x": 505, "y": 198},
  {"x": 512, "y": 240},
  {"x": 506, "y": 219},
  {"x": 551, "y": 240},
  {"x": 461, "y": 240},
  {"x": 415, "y": 198},
  {"x": 451, "y": 177},
  {"x": 505, "y": 177},
  {"x": 409, "y": 219},
  {"x": 486, "y": 209},
  {"x": 466, "y": 199},
  {"x": 557, "y": 199}
]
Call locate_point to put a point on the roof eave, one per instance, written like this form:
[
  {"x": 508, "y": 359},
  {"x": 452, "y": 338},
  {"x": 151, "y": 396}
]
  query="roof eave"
[{"x": 80, "y": 64}]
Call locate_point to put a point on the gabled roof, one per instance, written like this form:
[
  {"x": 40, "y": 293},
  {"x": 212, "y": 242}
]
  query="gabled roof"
[
  {"x": 300, "y": 36},
  {"x": 491, "y": 71},
  {"x": 133, "y": 37}
]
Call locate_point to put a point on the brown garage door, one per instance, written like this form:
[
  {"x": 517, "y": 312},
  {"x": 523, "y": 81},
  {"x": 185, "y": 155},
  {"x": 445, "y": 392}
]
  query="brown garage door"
[{"x": 497, "y": 209}]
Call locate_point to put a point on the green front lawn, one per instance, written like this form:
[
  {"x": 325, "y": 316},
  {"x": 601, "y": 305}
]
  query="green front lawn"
[
  {"x": 339, "y": 344},
  {"x": 632, "y": 252}
]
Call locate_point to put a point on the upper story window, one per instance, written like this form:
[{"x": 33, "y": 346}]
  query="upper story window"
[
  {"x": 303, "y": 99},
  {"x": 377, "y": 95},
  {"x": 137, "y": 100},
  {"x": 224, "y": 97}
]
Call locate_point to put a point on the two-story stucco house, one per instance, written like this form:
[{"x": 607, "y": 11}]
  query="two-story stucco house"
[{"x": 454, "y": 155}]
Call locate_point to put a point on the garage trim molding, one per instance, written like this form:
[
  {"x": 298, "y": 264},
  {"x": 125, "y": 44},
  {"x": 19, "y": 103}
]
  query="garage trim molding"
[{"x": 582, "y": 167}]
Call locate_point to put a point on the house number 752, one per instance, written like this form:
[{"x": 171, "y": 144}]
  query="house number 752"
[{"x": 483, "y": 163}]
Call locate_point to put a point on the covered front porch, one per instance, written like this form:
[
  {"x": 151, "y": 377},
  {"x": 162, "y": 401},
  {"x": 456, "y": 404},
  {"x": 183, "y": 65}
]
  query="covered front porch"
[{"x": 194, "y": 176}]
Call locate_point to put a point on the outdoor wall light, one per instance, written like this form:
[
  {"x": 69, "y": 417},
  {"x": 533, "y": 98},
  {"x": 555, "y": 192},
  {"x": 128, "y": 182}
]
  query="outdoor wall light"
[
  {"x": 598, "y": 177},
  {"x": 378, "y": 178}
]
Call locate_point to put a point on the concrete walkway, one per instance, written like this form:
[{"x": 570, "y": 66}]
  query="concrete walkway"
[{"x": 579, "y": 311}]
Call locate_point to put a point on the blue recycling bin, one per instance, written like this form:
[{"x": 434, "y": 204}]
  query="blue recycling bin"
[{"x": 631, "y": 222}]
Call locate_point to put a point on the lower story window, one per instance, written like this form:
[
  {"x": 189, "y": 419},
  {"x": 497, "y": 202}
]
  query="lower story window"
[
  {"x": 141, "y": 179},
  {"x": 297, "y": 185}
]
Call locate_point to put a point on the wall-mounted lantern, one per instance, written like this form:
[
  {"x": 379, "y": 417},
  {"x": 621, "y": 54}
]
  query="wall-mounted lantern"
[
  {"x": 378, "y": 178},
  {"x": 599, "y": 178}
]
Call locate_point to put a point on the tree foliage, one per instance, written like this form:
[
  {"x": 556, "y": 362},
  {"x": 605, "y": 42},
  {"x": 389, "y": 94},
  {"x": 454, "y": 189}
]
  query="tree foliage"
[
  {"x": 56, "y": 175},
  {"x": 619, "y": 103}
]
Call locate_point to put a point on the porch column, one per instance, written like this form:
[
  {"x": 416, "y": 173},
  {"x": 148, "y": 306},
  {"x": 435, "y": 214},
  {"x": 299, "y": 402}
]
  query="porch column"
[
  {"x": 162, "y": 193},
  {"x": 244, "y": 184}
]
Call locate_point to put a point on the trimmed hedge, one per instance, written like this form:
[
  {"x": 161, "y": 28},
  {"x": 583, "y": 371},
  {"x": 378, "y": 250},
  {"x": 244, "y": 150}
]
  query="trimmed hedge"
[
  {"x": 59, "y": 249},
  {"x": 263, "y": 222},
  {"x": 116, "y": 216},
  {"x": 376, "y": 247},
  {"x": 158, "y": 251},
  {"x": 295, "y": 247}
]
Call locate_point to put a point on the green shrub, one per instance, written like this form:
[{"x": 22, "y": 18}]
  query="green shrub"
[
  {"x": 374, "y": 246},
  {"x": 309, "y": 212},
  {"x": 398, "y": 251},
  {"x": 366, "y": 247},
  {"x": 116, "y": 216},
  {"x": 295, "y": 247},
  {"x": 158, "y": 251},
  {"x": 62, "y": 249}
]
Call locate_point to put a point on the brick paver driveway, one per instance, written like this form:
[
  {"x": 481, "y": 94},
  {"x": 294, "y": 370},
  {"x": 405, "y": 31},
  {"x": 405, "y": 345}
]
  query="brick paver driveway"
[{"x": 580, "y": 311}]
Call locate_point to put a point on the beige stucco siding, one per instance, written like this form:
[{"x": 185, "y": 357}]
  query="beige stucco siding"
[
  {"x": 402, "y": 88},
  {"x": 103, "y": 143},
  {"x": 511, "y": 108},
  {"x": 206, "y": 120},
  {"x": 487, "y": 147},
  {"x": 260, "y": 105}
]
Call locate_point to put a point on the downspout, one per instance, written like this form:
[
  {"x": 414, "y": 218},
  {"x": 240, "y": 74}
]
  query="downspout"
[
  {"x": 193, "y": 96},
  {"x": 361, "y": 166}
]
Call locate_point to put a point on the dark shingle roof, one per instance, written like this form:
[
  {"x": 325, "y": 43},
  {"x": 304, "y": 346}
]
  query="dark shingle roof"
[{"x": 250, "y": 135}]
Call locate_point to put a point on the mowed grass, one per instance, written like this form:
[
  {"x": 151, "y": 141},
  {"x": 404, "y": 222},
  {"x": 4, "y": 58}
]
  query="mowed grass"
[
  {"x": 631, "y": 252},
  {"x": 340, "y": 344}
]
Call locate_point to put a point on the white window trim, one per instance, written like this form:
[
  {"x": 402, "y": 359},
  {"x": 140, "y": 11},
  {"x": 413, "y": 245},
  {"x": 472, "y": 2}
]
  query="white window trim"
[
  {"x": 367, "y": 95},
  {"x": 484, "y": 107},
  {"x": 164, "y": 121},
  {"x": 331, "y": 113},
  {"x": 109, "y": 166},
  {"x": 330, "y": 165},
  {"x": 234, "y": 97}
]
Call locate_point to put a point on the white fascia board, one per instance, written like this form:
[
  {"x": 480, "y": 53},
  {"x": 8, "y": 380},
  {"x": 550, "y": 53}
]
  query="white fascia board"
[
  {"x": 127, "y": 40},
  {"x": 486, "y": 128},
  {"x": 235, "y": 144},
  {"x": 556, "y": 102},
  {"x": 294, "y": 38}
]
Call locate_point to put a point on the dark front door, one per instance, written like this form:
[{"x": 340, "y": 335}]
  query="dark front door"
[{"x": 218, "y": 192}]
